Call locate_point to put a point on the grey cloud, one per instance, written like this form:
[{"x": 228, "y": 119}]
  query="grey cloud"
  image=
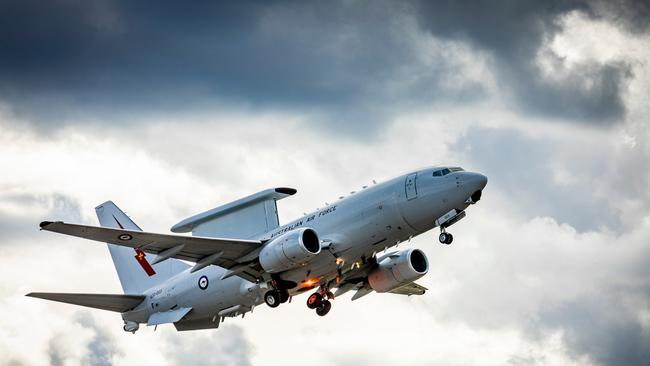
[
  {"x": 342, "y": 64},
  {"x": 603, "y": 327},
  {"x": 523, "y": 168},
  {"x": 33, "y": 208},
  {"x": 225, "y": 346},
  {"x": 633, "y": 15},
  {"x": 56, "y": 352},
  {"x": 336, "y": 62},
  {"x": 514, "y": 32},
  {"x": 102, "y": 347}
]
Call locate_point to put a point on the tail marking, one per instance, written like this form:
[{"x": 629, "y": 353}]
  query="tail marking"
[{"x": 139, "y": 255}]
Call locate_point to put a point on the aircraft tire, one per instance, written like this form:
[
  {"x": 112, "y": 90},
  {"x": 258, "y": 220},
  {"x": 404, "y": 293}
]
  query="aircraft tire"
[
  {"x": 314, "y": 300},
  {"x": 324, "y": 308},
  {"x": 443, "y": 238},
  {"x": 284, "y": 296},
  {"x": 450, "y": 238},
  {"x": 272, "y": 298}
]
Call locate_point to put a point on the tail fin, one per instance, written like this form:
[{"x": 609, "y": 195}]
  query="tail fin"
[{"x": 135, "y": 273}]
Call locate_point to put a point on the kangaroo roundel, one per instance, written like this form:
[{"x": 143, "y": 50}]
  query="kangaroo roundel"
[{"x": 203, "y": 282}]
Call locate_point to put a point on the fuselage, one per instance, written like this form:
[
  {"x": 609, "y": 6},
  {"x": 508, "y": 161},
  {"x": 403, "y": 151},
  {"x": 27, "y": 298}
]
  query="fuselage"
[{"x": 352, "y": 229}]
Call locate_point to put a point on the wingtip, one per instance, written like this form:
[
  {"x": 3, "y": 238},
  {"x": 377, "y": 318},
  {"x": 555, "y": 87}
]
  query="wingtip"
[{"x": 44, "y": 224}]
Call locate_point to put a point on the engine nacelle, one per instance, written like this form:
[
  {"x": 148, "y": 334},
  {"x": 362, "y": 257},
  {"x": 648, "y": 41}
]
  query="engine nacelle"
[
  {"x": 290, "y": 250},
  {"x": 398, "y": 269}
]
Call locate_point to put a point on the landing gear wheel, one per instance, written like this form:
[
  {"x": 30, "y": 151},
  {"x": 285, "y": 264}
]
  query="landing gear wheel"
[
  {"x": 443, "y": 237},
  {"x": 272, "y": 298},
  {"x": 314, "y": 300},
  {"x": 284, "y": 296},
  {"x": 450, "y": 238},
  {"x": 324, "y": 308}
]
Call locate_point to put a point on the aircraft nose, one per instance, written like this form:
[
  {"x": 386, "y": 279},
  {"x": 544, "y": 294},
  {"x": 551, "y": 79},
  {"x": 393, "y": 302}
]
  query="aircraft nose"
[
  {"x": 480, "y": 180},
  {"x": 475, "y": 184}
]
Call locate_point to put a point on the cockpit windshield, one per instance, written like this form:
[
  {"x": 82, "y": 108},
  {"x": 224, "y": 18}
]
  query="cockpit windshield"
[{"x": 444, "y": 171}]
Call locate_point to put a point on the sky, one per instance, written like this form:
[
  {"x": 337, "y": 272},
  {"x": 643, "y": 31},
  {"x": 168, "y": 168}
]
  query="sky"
[{"x": 170, "y": 109}]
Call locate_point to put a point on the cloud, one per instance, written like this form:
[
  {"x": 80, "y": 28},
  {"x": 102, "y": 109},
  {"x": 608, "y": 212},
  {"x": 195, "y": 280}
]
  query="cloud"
[
  {"x": 102, "y": 348},
  {"x": 227, "y": 346},
  {"x": 347, "y": 66},
  {"x": 21, "y": 212},
  {"x": 344, "y": 64},
  {"x": 516, "y": 34}
]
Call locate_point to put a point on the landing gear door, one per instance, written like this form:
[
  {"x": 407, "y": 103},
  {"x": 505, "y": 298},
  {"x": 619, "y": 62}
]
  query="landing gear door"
[{"x": 411, "y": 190}]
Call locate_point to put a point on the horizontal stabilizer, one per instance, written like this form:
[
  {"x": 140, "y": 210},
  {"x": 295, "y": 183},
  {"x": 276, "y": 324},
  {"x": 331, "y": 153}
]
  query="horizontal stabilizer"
[
  {"x": 164, "y": 317},
  {"x": 118, "y": 303}
]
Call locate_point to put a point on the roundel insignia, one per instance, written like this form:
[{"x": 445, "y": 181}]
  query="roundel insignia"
[
  {"x": 125, "y": 237},
  {"x": 203, "y": 282}
]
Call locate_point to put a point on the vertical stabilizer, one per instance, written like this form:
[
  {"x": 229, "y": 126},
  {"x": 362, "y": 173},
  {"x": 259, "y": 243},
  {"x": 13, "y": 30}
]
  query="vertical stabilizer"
[{"x": 132, "y": 266}]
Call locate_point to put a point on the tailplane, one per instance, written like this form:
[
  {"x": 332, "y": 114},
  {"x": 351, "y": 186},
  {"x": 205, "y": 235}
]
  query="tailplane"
[
  {"x": 118, "y": 303},
  {"x": 133, "y": 267}
]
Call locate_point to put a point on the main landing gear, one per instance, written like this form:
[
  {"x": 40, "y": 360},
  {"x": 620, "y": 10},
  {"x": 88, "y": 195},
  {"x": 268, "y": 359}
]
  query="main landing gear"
[
  {"x": 445, "y": 237},
  {"x": 320, "y": 301},
  {"x": 275, "y": 297}
]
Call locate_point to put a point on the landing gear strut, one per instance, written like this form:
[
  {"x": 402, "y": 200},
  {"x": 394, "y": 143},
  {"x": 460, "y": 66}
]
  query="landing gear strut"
[
  {"x": 320, "y": 300},
  {"x": 445, "y": 237}
]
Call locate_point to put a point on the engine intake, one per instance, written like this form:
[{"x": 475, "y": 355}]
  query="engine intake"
[
  {"x": 398, "y": 269},
  {"x": 290, "y": 250}
]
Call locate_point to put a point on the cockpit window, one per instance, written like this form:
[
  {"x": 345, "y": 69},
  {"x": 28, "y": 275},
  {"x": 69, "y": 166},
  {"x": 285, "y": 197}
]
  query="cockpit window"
[{"x": 445, "y": 171}]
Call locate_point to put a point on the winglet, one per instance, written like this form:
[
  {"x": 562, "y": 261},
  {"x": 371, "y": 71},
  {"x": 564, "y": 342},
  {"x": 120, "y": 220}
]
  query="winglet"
[{"x": 44, "y": 224}]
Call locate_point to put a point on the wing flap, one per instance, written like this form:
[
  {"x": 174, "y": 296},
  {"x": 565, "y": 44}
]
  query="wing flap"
[
  {"x": 409, "y": 289},
  {"x": 110, "y": 302},
  {"x": 171, "y": 316}
]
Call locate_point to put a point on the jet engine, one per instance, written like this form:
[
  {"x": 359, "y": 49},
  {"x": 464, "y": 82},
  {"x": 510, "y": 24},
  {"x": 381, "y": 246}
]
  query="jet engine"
[
  {"x": 398, "y": 269},
  {"x": 290, "y": 250}
]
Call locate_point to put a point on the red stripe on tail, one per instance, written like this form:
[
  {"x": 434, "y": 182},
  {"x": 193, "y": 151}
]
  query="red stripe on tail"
[{"x": 140, "y": 256}]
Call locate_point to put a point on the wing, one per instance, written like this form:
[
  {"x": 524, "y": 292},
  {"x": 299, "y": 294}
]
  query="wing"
[
  {"x": 410, "y": 289},
  {"x": 119, "y": 303},
  {"x": 202, "y": 251}
]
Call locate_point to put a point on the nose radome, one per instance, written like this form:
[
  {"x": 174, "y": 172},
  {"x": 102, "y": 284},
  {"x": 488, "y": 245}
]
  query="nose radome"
[
  {"x": 481, "y": 180},
  {"x": 476, "y": 181}
]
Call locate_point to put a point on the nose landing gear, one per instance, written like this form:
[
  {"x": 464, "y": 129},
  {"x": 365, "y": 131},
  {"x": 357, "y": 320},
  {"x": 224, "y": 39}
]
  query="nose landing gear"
[
  {"x": 320, "y": 301},
  {"x": 445, "y": 237}
]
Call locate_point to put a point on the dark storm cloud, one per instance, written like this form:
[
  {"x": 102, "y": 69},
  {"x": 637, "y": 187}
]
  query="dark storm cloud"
[
  {"x": 326, "y": 59},
  {"x": 338, "y": 62},
  {"x": 514, "y": 32}
]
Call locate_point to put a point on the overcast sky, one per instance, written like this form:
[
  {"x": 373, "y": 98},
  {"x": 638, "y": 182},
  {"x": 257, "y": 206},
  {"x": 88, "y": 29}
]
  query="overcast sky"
[{"x": 173, "y": 108}]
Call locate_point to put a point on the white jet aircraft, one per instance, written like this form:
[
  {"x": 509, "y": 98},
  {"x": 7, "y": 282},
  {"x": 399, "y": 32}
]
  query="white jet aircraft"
[{"x": 242, "y": 257}]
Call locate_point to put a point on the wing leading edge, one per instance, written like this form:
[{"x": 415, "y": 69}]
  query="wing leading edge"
[
  {"x": 203, "y": 251},
  {"x": 111, "y": 302}
]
